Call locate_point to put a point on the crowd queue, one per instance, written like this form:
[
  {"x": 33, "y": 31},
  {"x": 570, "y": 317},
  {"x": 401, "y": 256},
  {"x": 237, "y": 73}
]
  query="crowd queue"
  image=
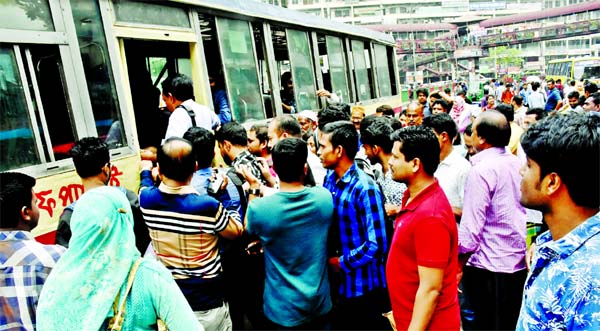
[{"x": 328, "y": 220}]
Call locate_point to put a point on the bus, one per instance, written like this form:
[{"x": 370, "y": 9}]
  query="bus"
[
  {"x": 581, "y": 68},
  {"x": 71, "y": 69}
]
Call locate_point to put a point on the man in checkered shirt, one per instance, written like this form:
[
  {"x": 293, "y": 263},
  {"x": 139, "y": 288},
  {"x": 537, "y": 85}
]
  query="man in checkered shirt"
[{"x": 24, "y": 263}]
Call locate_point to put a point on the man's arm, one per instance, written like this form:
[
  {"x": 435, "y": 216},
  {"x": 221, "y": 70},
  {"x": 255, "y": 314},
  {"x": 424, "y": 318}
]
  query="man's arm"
[
  {"x": 430, "y": 286},
  {"x": 475, "y": 204},
  {"x": 228, "y": 223},
  {"x": 146, "y": 179}
]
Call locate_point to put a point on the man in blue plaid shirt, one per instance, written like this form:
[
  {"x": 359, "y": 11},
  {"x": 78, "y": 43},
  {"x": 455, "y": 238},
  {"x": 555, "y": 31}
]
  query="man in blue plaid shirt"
[
  {"x": 24, "y": 263},
  {"x": 357, "y": 236}
]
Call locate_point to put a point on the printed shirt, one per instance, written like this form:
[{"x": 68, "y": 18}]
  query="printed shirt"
[
  {"x": 25, "y": 265},
  {"x": 359, "y": 224},
  {"x": 247, "y": 158},
  {"x": 392, "y": 190},
  {"x": 493, "y": 225},
  {"x": 562, "y": 291}
]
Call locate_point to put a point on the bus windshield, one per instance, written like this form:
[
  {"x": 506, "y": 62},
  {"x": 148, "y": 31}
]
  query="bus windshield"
[{"x": 591, "y": 72}]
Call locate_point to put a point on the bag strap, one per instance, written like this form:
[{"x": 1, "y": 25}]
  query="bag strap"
[
  {"x": 190, "y": 113},
  {"x": 117, "y": 320}
]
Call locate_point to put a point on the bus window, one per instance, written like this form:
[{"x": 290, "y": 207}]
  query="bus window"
[
  {"x": 26, "y": 15},
  {"x": 337, "y": 68},
  {"x": 302, "y": 70},
  {"x": 591, "y": 72},
  {"x": 150, "y": 13},
  {"x": 568, "y": 71},
  {"x": 98, "y": 73},
  {"x": 361, "y": 71},
  {"x": 383, "y": 71},
  {"x": 241, "y": 72},
  {"x": 263, "y": 69}
]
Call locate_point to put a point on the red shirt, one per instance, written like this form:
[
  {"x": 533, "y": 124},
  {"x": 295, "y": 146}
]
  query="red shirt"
[{"x": 425, "y": 235}]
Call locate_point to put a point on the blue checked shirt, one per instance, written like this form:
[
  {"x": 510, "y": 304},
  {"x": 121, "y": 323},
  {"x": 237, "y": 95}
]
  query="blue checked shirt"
[
  {"x": 359, "y": 223},
  {"x": 24, "y": 266}
]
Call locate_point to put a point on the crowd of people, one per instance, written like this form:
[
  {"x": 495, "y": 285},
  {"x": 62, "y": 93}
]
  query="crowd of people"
[{"x": 325, "y": 220}]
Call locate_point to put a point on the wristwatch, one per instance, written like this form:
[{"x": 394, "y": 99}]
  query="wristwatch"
[{"x": 254, "y": 191}]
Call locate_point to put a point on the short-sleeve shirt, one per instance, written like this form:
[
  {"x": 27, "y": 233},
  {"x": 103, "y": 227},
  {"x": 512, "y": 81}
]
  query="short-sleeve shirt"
[
  {"x": 553, "y": 99},
  {"x": 425, "y": 235},
  {"x": 180, "y": 121}
]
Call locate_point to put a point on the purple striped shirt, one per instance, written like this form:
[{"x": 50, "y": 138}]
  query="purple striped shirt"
[{"x": 493, "y": 224}]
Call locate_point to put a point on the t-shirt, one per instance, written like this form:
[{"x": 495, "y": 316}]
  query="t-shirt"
[
  {"x": 553, "y": 99},
  {"x": 293, "y": 228},
  {"x": 425, "y": 235}
]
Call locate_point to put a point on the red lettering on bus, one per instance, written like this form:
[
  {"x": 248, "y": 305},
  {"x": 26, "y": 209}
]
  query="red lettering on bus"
[
  {"x": 114, "y": 181},
  {"x": 44, "y": 203},
  {"x": 70, "y": 193}
]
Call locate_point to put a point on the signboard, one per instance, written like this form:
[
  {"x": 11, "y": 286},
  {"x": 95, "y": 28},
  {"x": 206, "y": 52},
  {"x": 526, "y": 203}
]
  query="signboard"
[
  {"x": 477, "y": 6},
  {"x": 468, "y": 52}
]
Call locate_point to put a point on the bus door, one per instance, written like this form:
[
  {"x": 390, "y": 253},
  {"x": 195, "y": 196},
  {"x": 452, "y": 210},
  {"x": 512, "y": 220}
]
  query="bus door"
[{"x": 148, "y": 64}]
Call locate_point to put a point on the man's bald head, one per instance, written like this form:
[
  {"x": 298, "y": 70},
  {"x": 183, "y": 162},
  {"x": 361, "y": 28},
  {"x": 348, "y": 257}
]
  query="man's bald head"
[
  {"x": 176, "y": 159},
  {"x": 493, "y": 128},
  {"x": 414, "y": 114}
]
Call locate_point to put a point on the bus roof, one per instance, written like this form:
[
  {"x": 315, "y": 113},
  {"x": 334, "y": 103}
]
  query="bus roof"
[
  {"x": 264, "y": 11},
  {"x": 577, "y": 59}
]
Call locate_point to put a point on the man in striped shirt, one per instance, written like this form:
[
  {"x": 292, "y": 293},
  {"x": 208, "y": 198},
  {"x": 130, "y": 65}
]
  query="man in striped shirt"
[
  {"x": 24, "y": 263},
  {"x": 185, "y": 227}
]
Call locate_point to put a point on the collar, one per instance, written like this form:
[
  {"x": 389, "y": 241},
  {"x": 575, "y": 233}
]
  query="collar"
[
  {"x": 243, "y": 155},
  {"x": 15, "y": 235},
  {"x": 451, "y": 158},
  {"x": 204, "y": 172},
  {"x": 568, "y": 244},
  {"x": 420, "y": 197},
  {"x": 351, "y": 173},
  {"x": 187, "y": 189},
  {"x": 487, "y": 153}
]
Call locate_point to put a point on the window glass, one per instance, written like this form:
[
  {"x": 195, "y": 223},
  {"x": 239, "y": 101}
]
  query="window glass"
[
  {"x": 17, "y": 144},
  {"x": 98, "y": 72},
  {"x": 26, "y": 15},
  {"x": 241, "y": 75},
  {"x": 383, "y": 71},
  {"x": 361, "y": 73},
  {"x": 337, "y": 67},
  {"x": 303, "y": 73},
  {"x": 150, "y": 13}
]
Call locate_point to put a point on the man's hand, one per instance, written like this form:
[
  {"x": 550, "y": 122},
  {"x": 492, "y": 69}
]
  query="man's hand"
[
  {"x": 265, "y": 170},
  {"x": 146, "y": 165},
  {"x": 392, "y": 210},
  {"x": 244, "y": 170}
]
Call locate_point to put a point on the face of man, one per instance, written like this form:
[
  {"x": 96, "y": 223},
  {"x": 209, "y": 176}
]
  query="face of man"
[
  {"x": 414, "y": 116},
  {"x": 476, "y": 139},
  {"x": 311, "y": 144},
  {"x": 590, "y": 105},
  {"x": 469, "y": 145},
  {"x": 34, "y": 211},
  {"x": 531, "y": 195},
  {"x": 573, "y": 102},
  {"x": 401, "y": 170},
  {"x": 327, "y": 153},
  {"x": 422, "y": 98},
  {"x": 370, "y": 153},
  {"x": 437, "y": 109},
  {"x": 169, "y": 101},
  {"x": 491, "y": 101},
  {"x": 223, "y": 150},
  {"x": 305, "y": 123},
  {"x": 356, "y": 118},
  {"x": 550, "y": 85},
  {"x": 273, "y": 135},
  {"x": 254, "y": 145},
  {"x": 529, "y": 120}
]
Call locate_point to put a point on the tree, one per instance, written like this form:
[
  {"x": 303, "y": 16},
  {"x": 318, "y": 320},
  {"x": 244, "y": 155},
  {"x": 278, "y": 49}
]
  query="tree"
[{"x": 507, "y": 57}]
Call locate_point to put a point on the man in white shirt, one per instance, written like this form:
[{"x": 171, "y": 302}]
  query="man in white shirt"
[
  {"x": 453, "y": 168},
  {"x": 178, "y": 95}
]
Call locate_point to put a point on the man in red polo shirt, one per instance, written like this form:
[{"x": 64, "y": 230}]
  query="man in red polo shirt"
[{"x": 423, "y": 258}]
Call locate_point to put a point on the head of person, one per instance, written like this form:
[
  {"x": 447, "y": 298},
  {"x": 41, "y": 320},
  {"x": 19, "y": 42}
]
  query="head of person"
[
  {"x": 507, "y": 110},
  {"x": 414, "y": 114},
  {"x": 232, "y": 139},
  {"x": 312, "y": 145},
  {"x": 491, "y": 129},
  {"x": 258, "y": 139},
  {"x": 289, "y": 160},
  {"x": 281, "y": 127},
  {"x": 517, "y": 101},
  {"x": 491, "y": 101},
  {"x": 338, "y": 142},
  {"x": 307, "y": 120},
  {"x": 203, "y": 143},
  {"x": 592, "y": 103},
  {"x": 579, "y": 87},
  {"x": 402, "y": 118},
  {"x": 357, "y": 115},
  {"x": 535, "y": 86},
  {"x": 91, "y": 158},
  {"x": 573, "y": 98},
  {"x": 415, "y": 153},
  {"x": 447, "y": 90},
  {"x": 422, "y": 94},
  {"x": 384, "y": 110},
  {"x": 287, "y": 84},
  {"x": 18, "y": 203},
  {"x": 177, "y": 89},
  {"x": 443, "y": 127},
  {"x": 533, "y": 115},
  {"x": 553, "y": 146},
  {"x": 468, "y": 138},
  {"x": 433, "y": 97},
  {"x": 333, "y": 113},
  {"x": 375, "y": 135},
  {"x": 176, "y": 160},
  {"x": 550, "y": 83},
  {"x": 441, "y": 106}
]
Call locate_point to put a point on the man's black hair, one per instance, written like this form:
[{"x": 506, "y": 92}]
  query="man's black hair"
[
  {"x": 447, "y": 107},
  {"x": 535, "y": 86},
  {"x": 469, "y": 129},
  {"x": 550, "y": 80},
  {"x": 507, "y": 110},
  {"x": 595, "y": 98},
  {"x": 89, "y": 155},
  {"x": 441, "y": 123},
  {"x": 289, "y": 157},
  {"x": 559, "y": 142},
  {"x": 332, "y": 114},
  {"x": 419, "y": 142},
  {"x": 15, "y": 193},
  {"x": 343, "y": 133},
  {"x": 180, "y": 86},
  {"x": 288, "y": 124},
  {"x": 233, "y": 132},
  {"x": 461, "y": 92},
  {"x": 572, "y": 82},
  {"x": 176, "y": 159},
  {"x": 518, "y": 100},
  {"x": 386, "y": 110},
  {"x": 495, "y": 131},
  {"x": 377, "y": 131},
  {"x": 538, "y": 112},
  {"x": 203, "y": 142},
  {"x": 261, "y": 131},
  {"x": 423, "y": 91},
  {"x": 573, "y": 94}
]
